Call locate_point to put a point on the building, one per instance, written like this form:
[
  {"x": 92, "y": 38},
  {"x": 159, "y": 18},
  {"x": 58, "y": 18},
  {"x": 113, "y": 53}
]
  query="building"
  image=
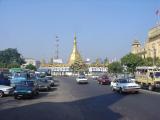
[
  {"x": 31, "y": 61},
  {"x": 59, "y": 61},
  {"x": 151, "y": 47}
]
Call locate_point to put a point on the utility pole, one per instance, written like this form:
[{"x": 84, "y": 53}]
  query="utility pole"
[{"x": 57, "y": 48}]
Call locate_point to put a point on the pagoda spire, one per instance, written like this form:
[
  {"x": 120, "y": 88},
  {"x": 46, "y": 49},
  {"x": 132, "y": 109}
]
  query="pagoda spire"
[
  {"x": 75, "y": 42},
  {"x": 75, "y": 55}
]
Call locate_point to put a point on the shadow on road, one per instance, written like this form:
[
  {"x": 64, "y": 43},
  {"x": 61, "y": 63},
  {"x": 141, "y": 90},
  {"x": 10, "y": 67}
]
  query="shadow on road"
[{"x": 94, "y": 108}]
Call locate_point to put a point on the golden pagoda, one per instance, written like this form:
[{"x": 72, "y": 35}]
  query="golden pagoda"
[{"x": 75, "y": 55}]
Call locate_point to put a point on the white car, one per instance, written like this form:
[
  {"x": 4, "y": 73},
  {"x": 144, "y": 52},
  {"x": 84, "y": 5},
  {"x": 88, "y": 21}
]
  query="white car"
[
  {"x": 81, "y": 79},
  {"x": 124, "y": 85},
  {"x": 51, "y": 80},
  {"x": 5, "y": 90}
]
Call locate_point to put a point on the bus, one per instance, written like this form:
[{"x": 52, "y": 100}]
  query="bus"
[
  {"x": 4, "y": 76},
  {"x": 148, "y": 77}
]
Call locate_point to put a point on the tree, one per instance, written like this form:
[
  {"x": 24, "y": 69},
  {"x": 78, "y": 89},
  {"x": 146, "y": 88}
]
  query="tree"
[
  {"x": 31, "y": 67},
  {"x": 157, "y": 62},
  {"x": 115, "y": 67},
  {"x": 151, "y": 62},
  {"x": 148, "y": 61},
  {"x": 79, "y": 66},
  {"x": 132, "y": 61},
  {"x": 10, "y": 57}
]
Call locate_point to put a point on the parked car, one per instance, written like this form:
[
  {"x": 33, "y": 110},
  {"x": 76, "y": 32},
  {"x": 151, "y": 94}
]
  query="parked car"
[
  {"x": 5, "y": 90},
  {"x": 104, "y": 79},
  {"x": 26, "y": 89},
  {"x": 81, "y": 79},
  {"x": 50, "y": 79},
  {"x": 124, "y": 85},
  {"x": 43, "y": 84}
]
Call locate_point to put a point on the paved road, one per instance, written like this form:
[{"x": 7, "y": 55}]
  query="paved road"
[{"x": 70, "y": 101}]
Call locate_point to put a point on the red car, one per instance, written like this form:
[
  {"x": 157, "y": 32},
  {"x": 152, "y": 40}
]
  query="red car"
[{"x": 104, "y": 79}]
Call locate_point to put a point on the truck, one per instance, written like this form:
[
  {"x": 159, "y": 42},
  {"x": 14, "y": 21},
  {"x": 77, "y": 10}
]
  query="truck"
[{"x": 148, "y": 77}]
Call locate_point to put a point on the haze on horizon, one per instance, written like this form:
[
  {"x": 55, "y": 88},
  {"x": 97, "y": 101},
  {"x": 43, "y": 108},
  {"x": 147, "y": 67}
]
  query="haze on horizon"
[{"x": 103, "y": 28}]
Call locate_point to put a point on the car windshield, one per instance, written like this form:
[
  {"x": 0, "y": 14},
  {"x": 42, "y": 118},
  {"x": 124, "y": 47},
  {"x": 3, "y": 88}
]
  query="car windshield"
[
  {"x": 157, "y": 74},
  {"x": 81, "y": 76},
  {"x": 49, "y": 78},
  {"x": 24, "y": 75},
  {"x": 27, "y": 83},
  {"x": 125, "y": 81},
  {"x": 105, "y": 77},
  {"x": 43, "y": 80}
]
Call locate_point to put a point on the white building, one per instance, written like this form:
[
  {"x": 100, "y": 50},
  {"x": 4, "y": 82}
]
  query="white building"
[
  {"x": 59, "y": 61},
  {"x": 31, "y": 61},
  {"x": 62, "y": 71}
]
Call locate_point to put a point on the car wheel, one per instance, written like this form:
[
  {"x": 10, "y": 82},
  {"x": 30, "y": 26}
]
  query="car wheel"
[
  {"x": 37, "y": 92},
  {"x": 136, "y": 92},
  {"x": 120, "y": 90},
  {"x": 15, "y": 97},
  {"x": 150, "y": 88},
  {"x": 141, "y": 86},
  {"x": 32, "y": 96},
  {"x": 113, "y": 89},
  {"x": 1, "y": 94}
]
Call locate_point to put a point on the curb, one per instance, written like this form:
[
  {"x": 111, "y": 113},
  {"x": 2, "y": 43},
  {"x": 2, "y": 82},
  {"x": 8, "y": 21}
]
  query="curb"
[{"x": 151, "y": 92}]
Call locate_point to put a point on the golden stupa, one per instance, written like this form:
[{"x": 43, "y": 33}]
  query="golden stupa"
[{"x": 75, "y": 55}]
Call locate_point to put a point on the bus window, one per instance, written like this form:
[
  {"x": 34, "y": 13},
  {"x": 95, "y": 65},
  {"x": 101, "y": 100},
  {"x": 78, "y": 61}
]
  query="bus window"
[{"x": 151, "y": 75}]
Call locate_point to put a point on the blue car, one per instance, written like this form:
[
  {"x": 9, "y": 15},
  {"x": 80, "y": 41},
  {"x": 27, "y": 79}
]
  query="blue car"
[{"x": 26, "y": 88}]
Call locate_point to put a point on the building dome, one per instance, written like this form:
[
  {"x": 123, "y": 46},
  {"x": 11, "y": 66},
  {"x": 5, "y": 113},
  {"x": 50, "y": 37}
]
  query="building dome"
[{"x": 136, "y": 42}]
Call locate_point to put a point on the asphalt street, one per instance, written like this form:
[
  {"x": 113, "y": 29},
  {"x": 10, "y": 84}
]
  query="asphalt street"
[{"x": 71, "y": 101}]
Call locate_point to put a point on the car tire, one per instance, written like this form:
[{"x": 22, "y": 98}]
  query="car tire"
[
  {"x": 120, "y": 90},
  {"x": 15, "y": 97},
  {"x": 52, "y": 85},
  {"x": 141, "y": 86},
  {"x": 150, "y": 87},
  {"x": 1, "y": 94},
  {"x": 32, "y": 96},
  {"x": 37, "y": 93},
  {"x": 113, "y": 89},
  {"x": 136, "y": 92}
]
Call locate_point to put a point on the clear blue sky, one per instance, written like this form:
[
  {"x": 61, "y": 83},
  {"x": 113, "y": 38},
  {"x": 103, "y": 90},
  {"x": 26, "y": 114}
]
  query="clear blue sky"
[{"x": 103, "y": 27}]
